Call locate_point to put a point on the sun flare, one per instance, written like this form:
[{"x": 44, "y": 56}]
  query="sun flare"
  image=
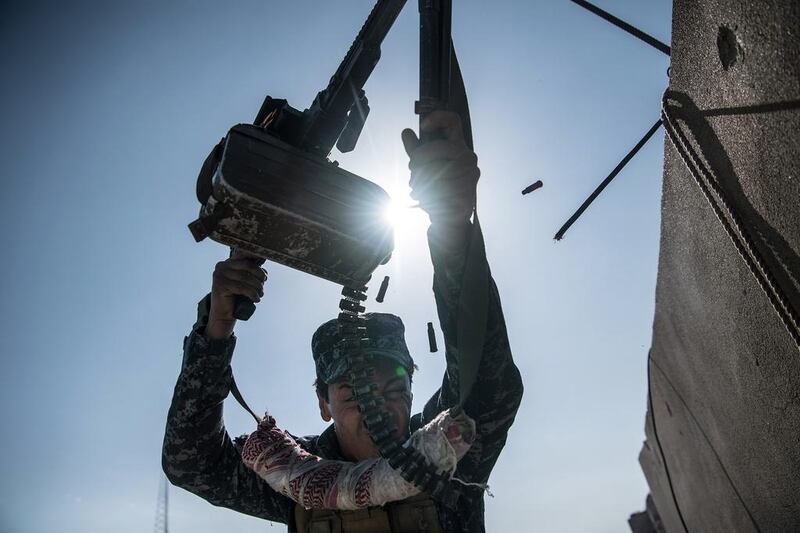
[
  {"x": 403, "y": 214},
  {"x": 398, "y": 213}
]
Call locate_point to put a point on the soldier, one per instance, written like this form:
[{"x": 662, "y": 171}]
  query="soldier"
[{"x": 198, "y": 454}]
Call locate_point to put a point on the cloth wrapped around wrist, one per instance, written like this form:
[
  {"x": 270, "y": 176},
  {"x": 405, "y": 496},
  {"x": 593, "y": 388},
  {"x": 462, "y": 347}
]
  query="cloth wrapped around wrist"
[{"x": 317, "y": 483}]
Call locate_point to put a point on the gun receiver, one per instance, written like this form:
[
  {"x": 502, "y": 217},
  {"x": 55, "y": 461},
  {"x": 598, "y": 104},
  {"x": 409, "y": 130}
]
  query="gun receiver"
[{"x": 342, "y": 105}]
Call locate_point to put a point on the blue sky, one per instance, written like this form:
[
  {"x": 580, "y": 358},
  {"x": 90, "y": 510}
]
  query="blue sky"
[{"x": 109, "y": 109}]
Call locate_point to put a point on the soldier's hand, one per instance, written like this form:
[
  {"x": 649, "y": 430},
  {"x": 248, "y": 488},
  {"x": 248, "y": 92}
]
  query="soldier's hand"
[
  {"x": 239, "y": 275},
  {"x": 444, "y": 172}
]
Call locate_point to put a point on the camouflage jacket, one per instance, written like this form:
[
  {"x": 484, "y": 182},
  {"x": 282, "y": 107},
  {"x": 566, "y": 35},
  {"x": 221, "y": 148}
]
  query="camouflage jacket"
[{"x": 199, "y": 456}]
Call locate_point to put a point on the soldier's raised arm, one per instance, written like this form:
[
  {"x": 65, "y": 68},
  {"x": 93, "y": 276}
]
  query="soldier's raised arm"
[
  {"x": 198, "y": 454},
  {"x": 444, "y": 175}
]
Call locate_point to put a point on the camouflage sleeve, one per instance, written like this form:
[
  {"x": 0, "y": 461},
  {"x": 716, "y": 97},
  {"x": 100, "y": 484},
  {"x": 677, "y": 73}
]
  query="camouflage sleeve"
[
  {"x": 497, "y": 391},
  {"x": 198, "y": 455}
]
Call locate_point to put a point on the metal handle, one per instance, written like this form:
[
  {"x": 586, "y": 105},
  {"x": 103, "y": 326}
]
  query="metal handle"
[{"x": 243, "y": 308}]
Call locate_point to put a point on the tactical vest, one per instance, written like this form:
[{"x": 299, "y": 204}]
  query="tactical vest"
[{"x": 412, "y": 515}]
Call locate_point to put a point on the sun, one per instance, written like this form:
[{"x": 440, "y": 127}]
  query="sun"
[
  {"x": 404, "y": 215},
  {"x": 397, "y": 213}
]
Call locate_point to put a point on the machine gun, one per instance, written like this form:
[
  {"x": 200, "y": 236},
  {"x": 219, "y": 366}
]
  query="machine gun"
[{"x": 269, "y": 189}]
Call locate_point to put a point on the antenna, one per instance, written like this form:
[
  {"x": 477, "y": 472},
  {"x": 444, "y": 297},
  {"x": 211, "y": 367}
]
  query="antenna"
[
  {"x": 655, "y": 43},
  {"x": 161, "y": 524},
  {"x": 621, "y": 24}
]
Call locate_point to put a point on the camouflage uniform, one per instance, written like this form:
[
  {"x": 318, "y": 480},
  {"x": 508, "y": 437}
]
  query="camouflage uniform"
[{"x": 199, "y": 456}]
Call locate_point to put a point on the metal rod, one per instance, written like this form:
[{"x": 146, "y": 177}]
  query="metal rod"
[
  {"x": 560, "y": 234},
  {"x": 636, "y": 32}
]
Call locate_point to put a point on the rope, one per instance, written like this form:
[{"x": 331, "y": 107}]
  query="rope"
[{"x": 732, "y": 223}]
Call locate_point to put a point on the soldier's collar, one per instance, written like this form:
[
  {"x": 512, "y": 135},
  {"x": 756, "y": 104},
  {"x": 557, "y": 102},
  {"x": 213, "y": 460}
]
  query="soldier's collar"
[{"x": 328, "y": 445}]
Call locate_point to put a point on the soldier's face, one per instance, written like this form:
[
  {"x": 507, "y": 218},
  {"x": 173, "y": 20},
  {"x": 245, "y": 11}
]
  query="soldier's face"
[{"x": 354, "y": 441}]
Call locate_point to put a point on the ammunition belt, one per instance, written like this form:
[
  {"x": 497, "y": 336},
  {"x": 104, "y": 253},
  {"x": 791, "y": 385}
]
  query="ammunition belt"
[{"x": 404, "y": 458}]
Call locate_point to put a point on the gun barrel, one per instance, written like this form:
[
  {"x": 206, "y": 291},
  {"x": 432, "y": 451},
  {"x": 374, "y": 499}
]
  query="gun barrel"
[
  {"x": 434, "y": 48},
  {"x": 371, "y": 36},
  {"x": 434, "y": 55},
  {"x": 328, "y": 112}
]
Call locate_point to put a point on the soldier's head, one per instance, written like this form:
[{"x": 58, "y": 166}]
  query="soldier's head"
[{"x": 393, "y": 372}]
